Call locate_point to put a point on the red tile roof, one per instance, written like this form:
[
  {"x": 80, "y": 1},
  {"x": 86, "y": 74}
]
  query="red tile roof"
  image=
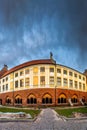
[{"x": 34, "y": 62}]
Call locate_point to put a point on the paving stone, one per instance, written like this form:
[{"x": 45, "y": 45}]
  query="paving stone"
[{"x": 47, "y": 120}]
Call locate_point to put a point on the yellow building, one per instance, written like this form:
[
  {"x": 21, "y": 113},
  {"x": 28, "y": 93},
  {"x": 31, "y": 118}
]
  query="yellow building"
[{"x": 42, "y": 82}]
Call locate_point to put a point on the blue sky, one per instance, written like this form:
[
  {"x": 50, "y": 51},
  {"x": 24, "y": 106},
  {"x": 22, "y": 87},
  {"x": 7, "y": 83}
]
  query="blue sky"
[{"x": 31, "y": 29}]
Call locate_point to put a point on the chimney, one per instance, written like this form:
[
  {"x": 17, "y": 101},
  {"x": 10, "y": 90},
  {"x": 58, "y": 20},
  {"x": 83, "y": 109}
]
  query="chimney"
[{"x": 4, "y": 70}]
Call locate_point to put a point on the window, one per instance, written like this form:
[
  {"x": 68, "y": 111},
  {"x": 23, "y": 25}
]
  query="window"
[
  {"x": 76, "y": 84},
  {"x": 58, "y": 81},
  {"x": 75, "y": 75},
  {"x": 83, "y": 78},
  {"x": 47, "y": 99},
  {"x": 31, "y": 99},
  {"x": 62, "y": 99},
  {"x": 21, "y": 73},
  {"x": 3, "y": 88},
  {"x": 16, "y": 84},
  {"x": 74, "y": 99},
  {"x": 58, "y": 70},
  {"x": 70, "y": 73},
  {"x": 8, "y": 100},
  {"x": 65, "y": 72},
  {"x": 16, "y": 74},
  {"x": 27, "y": 82},
  {"x": 22, "y": 83},
  {"x": 27, "y": 71},
  {"x": 6, "y": 86},
  {"x": 79, "y": 76},
  {"x": 42, "y": 80},
  {"x": 3, "y": 80},
  {"x": 18, "y": 100},
  {"x": 51, "y": 69},
  {"x": 70, "y": 83},
  {"x": 51, "y": 80},
  {"x": 42, "y": 69},
  {"x": 65, "y": 83},
  {"x": 83, "y": 86},
  {"x": 80, "y": 86},
  {"x": 6, "y": 78}
]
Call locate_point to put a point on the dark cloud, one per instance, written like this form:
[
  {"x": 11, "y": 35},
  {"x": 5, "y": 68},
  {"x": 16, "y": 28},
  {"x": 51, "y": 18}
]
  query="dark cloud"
[{"x": 30, "y": 29}]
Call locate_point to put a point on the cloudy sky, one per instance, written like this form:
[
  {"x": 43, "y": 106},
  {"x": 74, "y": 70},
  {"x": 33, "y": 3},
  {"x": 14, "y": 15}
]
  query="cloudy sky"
[{"x": 31, "y": 29}]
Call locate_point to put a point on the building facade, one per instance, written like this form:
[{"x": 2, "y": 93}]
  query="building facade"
[{"x": 42, "y": 83}]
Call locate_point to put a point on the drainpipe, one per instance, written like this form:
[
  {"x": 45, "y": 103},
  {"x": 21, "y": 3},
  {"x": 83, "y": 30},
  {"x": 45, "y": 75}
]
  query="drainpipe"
[
  {"x": 13, "y": 88},
  {"x": 55, "y": 84}
]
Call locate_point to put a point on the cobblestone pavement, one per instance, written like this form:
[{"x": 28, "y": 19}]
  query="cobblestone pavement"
[
  {"x": 47, "y": 120},
  {"x": 15, "y": 126}
]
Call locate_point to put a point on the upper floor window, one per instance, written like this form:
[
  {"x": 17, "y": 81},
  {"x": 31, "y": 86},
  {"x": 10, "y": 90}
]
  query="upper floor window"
[
  {"x": 3, "y": 80},
  {"x": 65, "y": 72},
  {"x": 51, "y": 69},
  {"x": 65, "y": 82},
  {"x": 83, "y": 86},
  {"x": 83, "y": 78},
  {"x": 42, "y": 80},
  {"x": 75, "y": 75},
  {"x": 51, "y": 80},
  {"x": 79, "y": 76},
  {"x": 42, "y": 69},
  {"x": 6, "y": 78},
  {"x": 27, "y": 71},
  {"x": 21, "y": 73},
  {"x": 80, "y": 85},
  {"x": 58, "y": 81},
  {"x": 16, "y": 74},
  {"x": 16, "y": 84},
  {"x": 58, "y": 70},
  {"x": 71, "y": 83},
  {"x": 22, "y": 83},
  {"x": 76, "y": 85},
  {"x": 6, "y": 86},
  {"x": 70, "y": 73},
  {"x": 3, "y": 88},
  {"x": 27, "y": 81}
]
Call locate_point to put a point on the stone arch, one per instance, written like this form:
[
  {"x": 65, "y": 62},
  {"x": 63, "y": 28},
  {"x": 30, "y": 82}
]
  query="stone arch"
[
  {"x": 31, "y": 99},
  {"x": 62, "y": 98},
  {"x": 18, "y": 99},
  {"x": 8, "y": 100},
  {"x": 47, "y": 99},
  {"x": 74, "y": 98}
]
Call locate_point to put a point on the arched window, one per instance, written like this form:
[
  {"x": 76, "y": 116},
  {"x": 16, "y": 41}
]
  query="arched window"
[
  {"x": 31, "y": 99},
  {"x": 18, "y": 100},
  {"x": 47, "y": 99},
  {"x": 62, "y": 99},
  {"x": 8, "y": 100},
  {"x": 74, "y": 99}
]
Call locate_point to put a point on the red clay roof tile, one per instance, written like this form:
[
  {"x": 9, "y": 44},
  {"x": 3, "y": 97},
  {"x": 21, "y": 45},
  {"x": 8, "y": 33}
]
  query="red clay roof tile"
[{"x": 34, "y": 62}]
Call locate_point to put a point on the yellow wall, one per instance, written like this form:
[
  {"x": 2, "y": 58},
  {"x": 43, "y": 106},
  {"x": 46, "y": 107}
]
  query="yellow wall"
[{"x": 35, "y": 80}]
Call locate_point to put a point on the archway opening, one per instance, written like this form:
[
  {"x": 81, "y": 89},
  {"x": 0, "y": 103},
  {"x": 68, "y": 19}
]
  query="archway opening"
[
  {"x": 62, "y": 99},
  {"x": 8, "y": 100},
  {"x": 31, "y": 99},
  {"x": 18, "y": 99},
  {"x": 74, "y": 99},
  {"x": 47, "y": 99}
]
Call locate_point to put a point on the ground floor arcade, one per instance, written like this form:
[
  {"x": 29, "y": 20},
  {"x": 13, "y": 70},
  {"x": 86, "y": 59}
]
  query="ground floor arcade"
[{"x": 43, "y": 97}]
